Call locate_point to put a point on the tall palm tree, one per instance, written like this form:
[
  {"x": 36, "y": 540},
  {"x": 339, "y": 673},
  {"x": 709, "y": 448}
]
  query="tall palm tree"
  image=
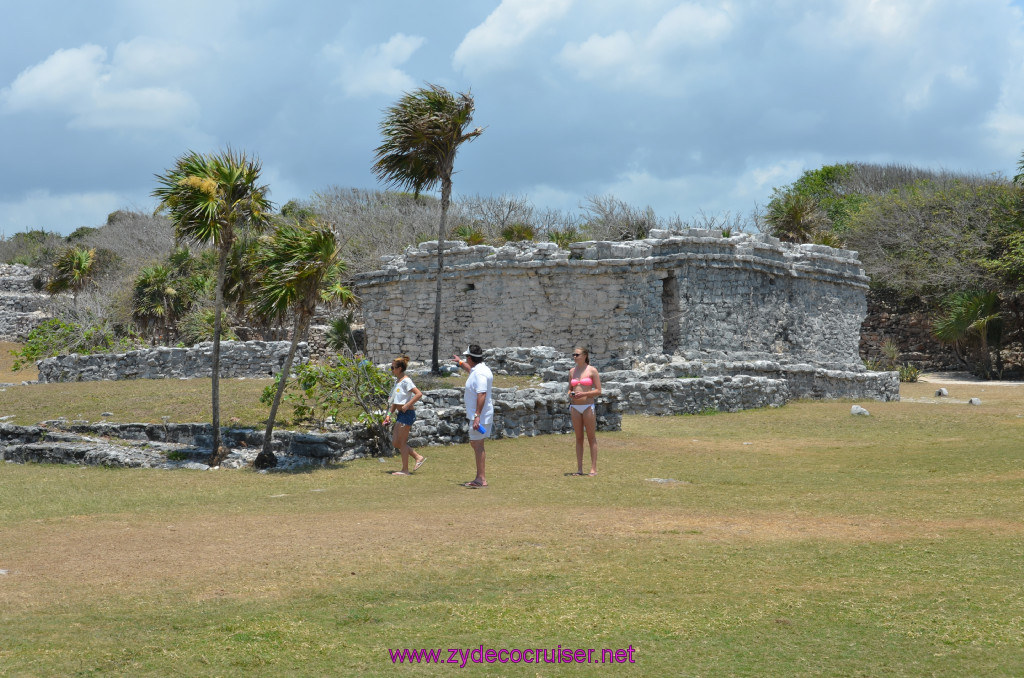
[
  {"x": 212, "y": 198},
  {"x": 73, "y": 271},
  {"x": 422, "y": 135},
  {"x": 300, "y": 265}
]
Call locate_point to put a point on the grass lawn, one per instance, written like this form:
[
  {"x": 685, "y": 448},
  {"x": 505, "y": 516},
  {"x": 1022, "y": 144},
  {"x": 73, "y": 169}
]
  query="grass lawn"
[{"x": 799, "y": 541}]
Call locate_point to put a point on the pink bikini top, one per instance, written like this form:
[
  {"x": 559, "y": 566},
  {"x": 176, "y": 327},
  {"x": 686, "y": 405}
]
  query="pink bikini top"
[{"x": 586, "y": 381}]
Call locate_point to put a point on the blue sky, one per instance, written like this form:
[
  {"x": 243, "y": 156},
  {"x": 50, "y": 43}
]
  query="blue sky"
[{"x": 687, "y": 107}]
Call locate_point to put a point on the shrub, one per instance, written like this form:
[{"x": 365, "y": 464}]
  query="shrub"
[
  {"x": 518, "y": 232},
  {"x": 319, "y": 391},
  {"x": 563, "y": 237},
  {"x": 469, "y": 234},
  {"x": 909, "y": 373},
  {"x": 58, "y": 337}
]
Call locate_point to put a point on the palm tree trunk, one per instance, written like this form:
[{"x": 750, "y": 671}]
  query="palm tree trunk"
[
  {"x": 216, "y": 455},
  {"x": 446, "y": 196},
  {"x": 266, "y": 457}
]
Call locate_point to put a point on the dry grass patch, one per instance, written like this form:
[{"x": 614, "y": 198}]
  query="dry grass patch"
[{"x": 7, "y": 373}]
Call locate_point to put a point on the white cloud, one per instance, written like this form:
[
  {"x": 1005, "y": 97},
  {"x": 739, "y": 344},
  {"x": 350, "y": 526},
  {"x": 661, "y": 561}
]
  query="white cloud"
[
  {"x": 494, "y": 43},
  {"x": 93, "y": 93},
  {"x": 376, "y": 70},
  {"x": 63, "y": 212},
  {"x": 648, "y": 57}
]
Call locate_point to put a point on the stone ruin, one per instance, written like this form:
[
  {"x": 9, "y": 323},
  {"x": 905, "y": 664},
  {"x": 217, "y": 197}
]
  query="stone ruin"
[
  {"x": 695, "y": 303},
  {"x": 22, "y": 306},
  {"x": 678, "y": 323}
]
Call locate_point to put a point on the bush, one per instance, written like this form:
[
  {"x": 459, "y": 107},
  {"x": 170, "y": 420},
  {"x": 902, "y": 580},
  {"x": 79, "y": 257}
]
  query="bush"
[
  {"x": 469, "y": 234},
  {"x": 909, "y": 373},
  {"x": 318, "y": 391},
  {"x": 518, "y": 232},
  {"x": 58, "y": 337}
]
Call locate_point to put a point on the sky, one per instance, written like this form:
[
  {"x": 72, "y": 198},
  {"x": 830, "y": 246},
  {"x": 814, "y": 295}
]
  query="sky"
[{"x": 687, "y": 107}]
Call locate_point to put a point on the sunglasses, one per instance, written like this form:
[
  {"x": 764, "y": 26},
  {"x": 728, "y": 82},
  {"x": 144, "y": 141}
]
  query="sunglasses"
[{"x": 576, "y": 355}]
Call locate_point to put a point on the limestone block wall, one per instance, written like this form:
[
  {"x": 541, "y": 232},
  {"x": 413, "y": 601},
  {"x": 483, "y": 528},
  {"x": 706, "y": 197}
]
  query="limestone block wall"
[
  {"x": 251, "y": 359},
  {"x": 22, "y": 307},
  {"x": 693, "y": 294}
]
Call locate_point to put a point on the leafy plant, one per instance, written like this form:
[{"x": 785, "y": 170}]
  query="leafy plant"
[
  {"x": 72, "y": 271},
  {"x": 197, "y": 326},
  {"x": 469, "y": 234},
  {"x": 320, "y": 390},
  {"x": 59, "y": 337},
  {"x": 518, "y": 232},
  {"x": 909, "y": 373},
  {"x": 972, "y": 321},
  {"x": 563, "y": 237}
]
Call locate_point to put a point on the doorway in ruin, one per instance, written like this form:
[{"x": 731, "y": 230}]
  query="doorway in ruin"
[{"x": 670, "y": 314}]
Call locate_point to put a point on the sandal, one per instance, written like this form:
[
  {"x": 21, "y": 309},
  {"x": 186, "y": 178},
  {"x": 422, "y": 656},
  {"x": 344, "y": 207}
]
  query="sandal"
[{"x": 419, "y": 463}]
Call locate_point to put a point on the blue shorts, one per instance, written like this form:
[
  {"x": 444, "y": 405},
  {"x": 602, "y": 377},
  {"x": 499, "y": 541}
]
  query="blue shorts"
[{"x": 408, "y": 417}]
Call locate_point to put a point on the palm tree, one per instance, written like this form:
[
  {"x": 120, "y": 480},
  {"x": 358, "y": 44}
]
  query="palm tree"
[
  {"x": 211, "y": 200},
  {"x": 72, "y": 271},
  {"x": 971, "y": 318},
  {"x": 422, "y": 134},
  {"x": 795, "y": 217},
  {"x": 300, "y": 265},
  {"x": 155, "y": 299}
]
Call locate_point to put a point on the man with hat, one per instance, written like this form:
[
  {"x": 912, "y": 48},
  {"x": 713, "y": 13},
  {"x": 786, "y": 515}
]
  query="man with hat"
[{"x": 479, "y": 407}]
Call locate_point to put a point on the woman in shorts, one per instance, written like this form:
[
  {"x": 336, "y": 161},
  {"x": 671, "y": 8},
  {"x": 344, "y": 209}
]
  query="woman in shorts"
[
  {"x": 584, "y": 387},
  {"x": 403, "y": 396}
]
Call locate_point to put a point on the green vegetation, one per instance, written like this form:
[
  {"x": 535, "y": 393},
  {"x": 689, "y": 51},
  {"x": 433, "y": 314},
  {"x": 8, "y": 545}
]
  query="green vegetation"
[
  {"x": 212, "y": 200},
  {"x": 57, "y": 337},
  {"x": 932, "y": 238},
  {"x": 422, "y": 134},
  {"x": 830, "y": 545},
  {"x": 299, "y": 266}
]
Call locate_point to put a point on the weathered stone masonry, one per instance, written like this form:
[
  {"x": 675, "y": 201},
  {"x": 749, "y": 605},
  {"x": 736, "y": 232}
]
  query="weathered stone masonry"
[
  {"x": 693, "y": 295},
  {"x": 250, "y": 359}
]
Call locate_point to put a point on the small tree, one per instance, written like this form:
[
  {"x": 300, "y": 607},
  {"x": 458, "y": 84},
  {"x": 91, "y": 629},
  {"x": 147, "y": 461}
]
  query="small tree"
[
  {"x": 299, "y": 266},
  {"x": 422, "y": 135},
  {"x": 211, "y": 199}
]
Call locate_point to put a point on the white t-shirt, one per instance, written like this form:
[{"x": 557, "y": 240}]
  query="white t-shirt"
[
  {"x": 479, "y": 381},
  {"x": 402, "y": 392}
]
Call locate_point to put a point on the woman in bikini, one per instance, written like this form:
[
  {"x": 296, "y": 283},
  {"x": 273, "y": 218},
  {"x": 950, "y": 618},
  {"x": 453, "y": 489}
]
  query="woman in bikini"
[
  {"x": 584, "y": 387},
  {"x": 403, "y": 396}
]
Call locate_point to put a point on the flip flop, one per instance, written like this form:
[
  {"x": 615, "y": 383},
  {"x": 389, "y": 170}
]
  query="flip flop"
[
  {"x": 399, "y": 473},
  {"x": 473, "y": 485},
  {"x": 418, "y": 464}
]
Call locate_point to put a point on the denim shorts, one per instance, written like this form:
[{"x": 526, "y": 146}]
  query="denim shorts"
[{"x": 408, "y": 417}]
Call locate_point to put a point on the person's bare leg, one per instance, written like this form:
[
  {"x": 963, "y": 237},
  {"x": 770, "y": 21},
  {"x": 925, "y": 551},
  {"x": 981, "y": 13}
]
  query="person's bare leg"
[
  {"x": 590, "y": 422},
  {"x": 578, "y": 429},
  {"x": 402, "y": 435},
  {"x": 481, "y": 459}
]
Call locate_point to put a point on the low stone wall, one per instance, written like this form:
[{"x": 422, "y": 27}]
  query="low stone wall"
[{"x": 250, "y": 359}]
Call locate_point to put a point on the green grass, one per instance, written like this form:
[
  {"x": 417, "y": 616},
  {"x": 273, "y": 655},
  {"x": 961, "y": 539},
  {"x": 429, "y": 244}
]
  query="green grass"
[
  {"x": 889, "y": 545},
  {"x": 150, "y": 400}
]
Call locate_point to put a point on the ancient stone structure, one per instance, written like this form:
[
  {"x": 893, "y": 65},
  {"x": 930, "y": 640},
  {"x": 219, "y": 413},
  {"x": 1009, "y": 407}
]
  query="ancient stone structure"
[
  {"x": 22, "y": 306},
  {"x": 251, "y": 359},
  {"x": 743, "y": 305}
]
